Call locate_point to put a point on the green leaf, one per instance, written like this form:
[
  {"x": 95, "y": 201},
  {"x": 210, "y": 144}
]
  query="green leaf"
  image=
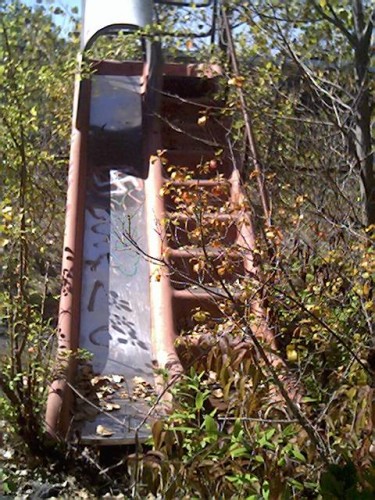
[
  {"x": 236, "y": 450},
  {"x": 308, "y": 399},
  {"x": 297, "y": 454},
  {"x": 199, "y": 400},
  {"x": 210, "y": 424}
]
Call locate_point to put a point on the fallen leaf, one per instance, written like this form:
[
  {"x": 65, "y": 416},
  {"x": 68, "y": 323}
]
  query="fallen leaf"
[
  {"x": 111, "y": 406},
  {"x": 218, "y": 393},
  {"x": 202, "y": 121},
  {"x": 104, "y": 431},
  {"x": 139, "y": 380}
]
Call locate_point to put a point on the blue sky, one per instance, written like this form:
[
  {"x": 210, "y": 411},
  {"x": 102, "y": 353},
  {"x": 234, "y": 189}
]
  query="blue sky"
[
  {"x": 58, "y": 3},
  {"x": 65, "y": 5}
]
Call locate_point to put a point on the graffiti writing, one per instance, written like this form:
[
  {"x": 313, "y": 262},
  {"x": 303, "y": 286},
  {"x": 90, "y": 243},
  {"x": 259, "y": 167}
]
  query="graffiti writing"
[{"x": 114, "y": 312}]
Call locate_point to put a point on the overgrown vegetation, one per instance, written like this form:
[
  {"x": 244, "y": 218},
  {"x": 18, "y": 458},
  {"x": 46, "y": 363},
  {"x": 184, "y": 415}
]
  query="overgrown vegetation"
[
  {"x": 36, "y": 74},
  {"x": 251, "y": 419}
]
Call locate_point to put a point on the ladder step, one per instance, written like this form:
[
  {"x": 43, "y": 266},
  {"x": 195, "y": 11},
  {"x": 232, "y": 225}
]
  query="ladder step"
[
  {"x": 193, "y": 142},
  {"x": 194, "y": 266},
  {"x": 214, "y": 253},
  {"x": 189, "y": 158},
  {"x": 187, "y": 300},
  {"x": 189, "y": 87},
  {"x": 214, "y": 216},
  {"x": 174, "y": 69},
  {"x": 187, "y": 134},
  {"x": 214, "y": 229},
  {"x": 202, "y": 199},
  {"x": 206, "y": 294},
  {"x": 199, "y": 294},
  {"x": 203, "y": 161},
  {"x": 171, "y": 102},
  {"x": 199, "y": 183}
]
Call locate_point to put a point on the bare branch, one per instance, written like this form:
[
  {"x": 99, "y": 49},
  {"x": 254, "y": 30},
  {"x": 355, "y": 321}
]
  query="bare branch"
[{"x": 336, "y": 21}]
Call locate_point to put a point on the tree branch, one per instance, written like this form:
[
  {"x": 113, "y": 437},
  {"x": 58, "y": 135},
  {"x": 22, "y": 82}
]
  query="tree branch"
[{"x": 336, "y": 21}]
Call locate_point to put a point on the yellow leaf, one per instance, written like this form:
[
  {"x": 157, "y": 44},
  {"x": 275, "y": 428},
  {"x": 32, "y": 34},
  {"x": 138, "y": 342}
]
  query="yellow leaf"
[
  {"x": 370, "y": 306},
  {"x": 221, "y": 271},
  {"x": 196, "y": 267},
  {"x": 202, "y": 121},
  {"x": 7, "y": 213},
  {"x": 236, "y": 81},
  {"x": 199, "y": 266},
  {"x": 166, "y": 253},
  {"x": 366, "y": 289},
  {"x": 299, "y": 200},
  {"x": 351, "y": 393},
  {"x": 201, "y": 316},
  {"x": 291, "y": 353}
]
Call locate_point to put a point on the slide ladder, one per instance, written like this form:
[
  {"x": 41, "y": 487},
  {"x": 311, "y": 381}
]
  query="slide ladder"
[{"x": 208, "y": 239}]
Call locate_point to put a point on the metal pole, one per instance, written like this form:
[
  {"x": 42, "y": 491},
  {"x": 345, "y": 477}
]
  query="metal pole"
[{"x": 106, "y": 16}]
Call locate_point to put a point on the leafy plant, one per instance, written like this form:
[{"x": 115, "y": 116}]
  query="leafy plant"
[{"x": 35, "y": 114}]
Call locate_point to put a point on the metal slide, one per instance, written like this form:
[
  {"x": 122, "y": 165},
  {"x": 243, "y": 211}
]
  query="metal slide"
[
  {"x": 118, "y": 302},
  {"x": 105, "y": 302},
  {"x": 115, "y": 303},
  {"x": 111, "y": 306}
]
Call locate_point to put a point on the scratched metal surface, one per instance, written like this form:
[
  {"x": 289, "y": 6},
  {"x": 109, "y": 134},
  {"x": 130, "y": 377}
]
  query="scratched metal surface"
[{"x": 115, "y": 304}]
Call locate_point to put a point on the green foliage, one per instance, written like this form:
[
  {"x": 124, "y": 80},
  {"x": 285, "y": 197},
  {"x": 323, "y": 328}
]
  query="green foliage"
[
  {"x": 25, "y": 369},
  {"x": 36, "y": 76},
  {"x": 8, "y": 486},
  {"x": 124, "y": 46},
  {"x": 232, "y": 433},
  {"x": 205, "y": 453}
]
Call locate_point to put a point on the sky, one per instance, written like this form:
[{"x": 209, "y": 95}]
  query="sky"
[
  {"x": 65, "y": 5},
  {"x": 60, "y": 3}
]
